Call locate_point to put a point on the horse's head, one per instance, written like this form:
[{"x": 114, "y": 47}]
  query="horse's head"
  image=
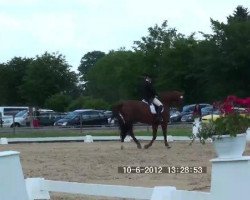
[{"x": 172, "y": 98}]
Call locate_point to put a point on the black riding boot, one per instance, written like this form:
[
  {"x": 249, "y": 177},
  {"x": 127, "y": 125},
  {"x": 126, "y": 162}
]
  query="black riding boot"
[{"x": 159, "y": 116}]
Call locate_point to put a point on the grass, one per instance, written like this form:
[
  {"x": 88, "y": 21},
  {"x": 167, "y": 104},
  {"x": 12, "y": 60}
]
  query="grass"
[{"x": 71, "y": 133}]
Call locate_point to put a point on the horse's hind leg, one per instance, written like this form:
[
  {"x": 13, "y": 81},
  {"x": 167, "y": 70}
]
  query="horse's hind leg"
[
  {"x": 164, "y": 131},
  {"x": 123, "y": 134},
  {"x": 155, "y": 127},
  {"x": 122, "y": 140}
]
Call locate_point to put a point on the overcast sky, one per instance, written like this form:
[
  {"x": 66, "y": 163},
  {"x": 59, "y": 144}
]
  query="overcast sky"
[{"x": 75, "y": 27}]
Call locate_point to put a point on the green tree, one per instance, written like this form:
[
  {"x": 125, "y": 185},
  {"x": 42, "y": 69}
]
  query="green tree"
[
  {"x": 58, "y": 102},
  {"x": 88, "y": 61},
  {"x": 11, "y": 76},
  {"x": 240, "y": 14},
  {"x": 177, "y": 68},
  {"x": 47, "y": 75},
  {"x": 232, "y": 63},
  {"x": 116, "y": 76},
  {"x": 87, "y": 102},
  {"x": 153, "y": 46}
]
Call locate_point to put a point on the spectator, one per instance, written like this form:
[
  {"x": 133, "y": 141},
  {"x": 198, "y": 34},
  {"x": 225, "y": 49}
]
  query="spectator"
[
  {"x": 197, "y": 112},
  {"x": 36, "y": 120}
]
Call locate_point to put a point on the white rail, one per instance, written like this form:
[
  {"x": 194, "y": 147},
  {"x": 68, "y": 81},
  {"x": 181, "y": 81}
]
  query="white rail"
[{"x": 38, "y": 188}]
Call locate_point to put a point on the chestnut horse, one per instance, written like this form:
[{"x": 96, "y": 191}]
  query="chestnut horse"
[{"x": 132, "y": 111}]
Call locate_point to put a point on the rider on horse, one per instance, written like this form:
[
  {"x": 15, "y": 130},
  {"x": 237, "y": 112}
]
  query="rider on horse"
[{"x": 150, "y": 96}]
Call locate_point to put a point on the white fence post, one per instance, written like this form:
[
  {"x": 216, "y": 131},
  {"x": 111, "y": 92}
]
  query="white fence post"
[
  {"x": 3, "y": 141},
  {"x": 88, "y": 139},
  {"x": 11, "y": 177},
  {"x": 162, "y": 193},
  {"x": 35, "y": 188},
  {"x": 230, "y": 178}
]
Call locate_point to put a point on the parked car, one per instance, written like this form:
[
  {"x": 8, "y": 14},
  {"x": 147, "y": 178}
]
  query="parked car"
[
  {"x": 175, "y": 115},
  {"x": 21, "y": 119},
  {"x": 48, "y": 118},
  {"x": 217, "y": 114},
  {"x": 108, "y": 114},
  {"x": 214, "y": 116},
  {"x": 187, "y": 118},
  {"x": 7, "y": 112},
  {"x": 187, "y": 111},
  {"x": 111, "y": 120},
  {"x": 83, "y": 117},
  {"x": 208, "y": 110}
]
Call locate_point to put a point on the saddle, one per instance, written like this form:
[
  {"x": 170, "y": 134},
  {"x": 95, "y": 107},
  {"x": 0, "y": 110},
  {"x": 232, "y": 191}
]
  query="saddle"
[{"x": 152, "y": 107}]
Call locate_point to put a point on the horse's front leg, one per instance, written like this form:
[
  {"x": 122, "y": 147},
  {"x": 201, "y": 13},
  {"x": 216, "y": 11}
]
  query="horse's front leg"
[
  {"x": 164, "y": 131},
  {"x": 154, "y": 127}
]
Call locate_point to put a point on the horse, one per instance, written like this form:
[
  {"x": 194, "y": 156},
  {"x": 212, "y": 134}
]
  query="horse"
[{"x": 132, "y": 111}]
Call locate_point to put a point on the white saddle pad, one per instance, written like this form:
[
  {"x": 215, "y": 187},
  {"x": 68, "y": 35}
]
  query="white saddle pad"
[{"x": 152, "y": 107}]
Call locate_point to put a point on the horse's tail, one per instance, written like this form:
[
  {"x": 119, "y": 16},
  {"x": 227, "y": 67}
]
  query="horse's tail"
[
  {"x": 124, "y": 126},
  {"x": 118, "y": 114}
]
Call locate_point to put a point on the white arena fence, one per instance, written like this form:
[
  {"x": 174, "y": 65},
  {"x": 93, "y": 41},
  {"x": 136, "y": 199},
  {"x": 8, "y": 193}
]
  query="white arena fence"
[
  {"x": 38, "y": 188},
  {"x": 230, "y": 180}
]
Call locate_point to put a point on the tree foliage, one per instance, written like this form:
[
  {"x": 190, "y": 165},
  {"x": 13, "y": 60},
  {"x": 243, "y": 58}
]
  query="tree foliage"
[
  {"x": 88, "y": 61},
  {"x": 231, "y": 41},
  {"x": 58, "y": 102},
  {"x": 116, "y": 76},
  {"x": 11, "y": 76},
  {"x": 84, "y": 102},
  {"x": 47, "y": 75}
]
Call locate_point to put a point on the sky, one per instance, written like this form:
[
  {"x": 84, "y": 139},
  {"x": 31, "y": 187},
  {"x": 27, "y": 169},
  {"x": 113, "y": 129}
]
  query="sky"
[{"x": 76, "y": 27}]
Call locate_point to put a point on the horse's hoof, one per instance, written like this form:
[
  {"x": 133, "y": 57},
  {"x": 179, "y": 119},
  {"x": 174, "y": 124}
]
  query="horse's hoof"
[
  {"x": 122, "y": 147},
  {"x": 138, "y": 146},
  {"x": 168, "y": 147},
  {"x": 146, "y": 146}
]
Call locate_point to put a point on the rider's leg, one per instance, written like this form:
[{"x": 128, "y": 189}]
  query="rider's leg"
[{"x": 159, "y": 108}]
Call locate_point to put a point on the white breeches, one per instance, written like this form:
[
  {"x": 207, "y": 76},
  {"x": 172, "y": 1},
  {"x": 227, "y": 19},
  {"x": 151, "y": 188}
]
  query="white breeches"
[{"x": 157, "y": 102}]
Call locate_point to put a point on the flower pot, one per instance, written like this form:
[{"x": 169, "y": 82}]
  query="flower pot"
[{"x": 230, "y": 147}]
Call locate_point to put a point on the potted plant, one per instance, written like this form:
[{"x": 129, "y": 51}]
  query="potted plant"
[{"x": 228, "y": 132}]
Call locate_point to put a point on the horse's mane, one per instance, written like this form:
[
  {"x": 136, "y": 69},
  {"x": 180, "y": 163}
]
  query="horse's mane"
[
  {"x": 167, "y": 93},
  {"x": 168, "y": 97}
]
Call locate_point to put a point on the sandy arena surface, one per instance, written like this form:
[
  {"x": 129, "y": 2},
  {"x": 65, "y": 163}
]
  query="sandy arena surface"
[{"x": 98, "y": 163}]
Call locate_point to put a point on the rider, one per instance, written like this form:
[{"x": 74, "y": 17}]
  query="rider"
[{"x": 150, "y": 95}]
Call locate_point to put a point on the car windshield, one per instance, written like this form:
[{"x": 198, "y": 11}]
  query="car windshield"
[
  {"x": 217, "y": 112},
  {"x": 21, "y": 113},
  {"x": 188, "y": 108},
  {"x": 207, "y": 108},
  {"x": 70, "y": 115}
]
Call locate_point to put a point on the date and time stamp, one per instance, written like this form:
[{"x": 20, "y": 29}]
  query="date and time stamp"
[{"x": 162, "y": 169}]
